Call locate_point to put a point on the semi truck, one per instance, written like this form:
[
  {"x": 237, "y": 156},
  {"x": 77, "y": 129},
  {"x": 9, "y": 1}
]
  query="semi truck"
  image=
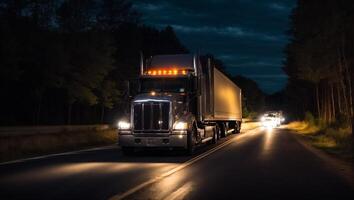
[{"x": 183, "y": 101}]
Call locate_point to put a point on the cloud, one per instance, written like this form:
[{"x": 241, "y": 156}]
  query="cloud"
[
  {"x": 231, "y": 31},
  {"x": 148, "y": 7},
  {"x": 249, "y": 36},
  {"x": 278, "y": 7},
  {"x": 272, "y": 76}
]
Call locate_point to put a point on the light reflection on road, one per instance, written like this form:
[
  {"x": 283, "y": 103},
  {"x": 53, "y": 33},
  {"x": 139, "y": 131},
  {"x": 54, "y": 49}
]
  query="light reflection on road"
[
  {"x": 267, "y": 142},
  {"x": 99, "y": 168},
  {"x": 181, "y": 193},
  {"x": 171, "y": 187}
]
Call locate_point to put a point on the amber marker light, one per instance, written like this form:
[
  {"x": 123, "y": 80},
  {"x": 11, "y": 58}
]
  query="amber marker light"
[{"x": 165, "y": 72}]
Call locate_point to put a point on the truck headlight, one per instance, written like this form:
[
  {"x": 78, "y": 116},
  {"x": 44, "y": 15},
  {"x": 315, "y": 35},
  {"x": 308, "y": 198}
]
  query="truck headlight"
[
  {"x": 180, "y": 126},
  {"x": 123, "y": 125}
]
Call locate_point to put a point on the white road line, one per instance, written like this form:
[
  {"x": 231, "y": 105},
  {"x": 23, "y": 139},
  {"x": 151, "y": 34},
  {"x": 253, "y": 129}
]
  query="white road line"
[
  {"x": 56, "y": 154},
  {"x": 180, "y": 193},
  {"x": 180, "y": 167}
]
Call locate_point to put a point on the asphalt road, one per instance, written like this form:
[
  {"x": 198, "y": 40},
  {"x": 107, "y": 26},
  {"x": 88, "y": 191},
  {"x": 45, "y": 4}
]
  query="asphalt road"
[{"x": 258, "y": 164}]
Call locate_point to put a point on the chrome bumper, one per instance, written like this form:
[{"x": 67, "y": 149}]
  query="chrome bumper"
[{"x": 173, "y": 140}]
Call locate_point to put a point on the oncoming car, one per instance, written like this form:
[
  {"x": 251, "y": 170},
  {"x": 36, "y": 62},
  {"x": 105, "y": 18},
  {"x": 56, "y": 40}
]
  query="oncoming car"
[{"x": 272, "y": 119}]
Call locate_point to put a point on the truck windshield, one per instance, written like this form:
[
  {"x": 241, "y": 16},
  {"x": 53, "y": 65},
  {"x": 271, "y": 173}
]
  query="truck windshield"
[{"x": 165, "y": 84}]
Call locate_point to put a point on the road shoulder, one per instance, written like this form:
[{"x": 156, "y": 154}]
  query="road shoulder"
[{"x": 341, "y": 167}]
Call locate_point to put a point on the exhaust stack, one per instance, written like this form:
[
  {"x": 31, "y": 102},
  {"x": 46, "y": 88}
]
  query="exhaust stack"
[{"x": 141, "y": 63}]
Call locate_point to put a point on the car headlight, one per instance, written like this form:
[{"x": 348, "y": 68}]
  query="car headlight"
[
  {"x": 123, "y": 125},
  {"x": 180, "y": 126}
]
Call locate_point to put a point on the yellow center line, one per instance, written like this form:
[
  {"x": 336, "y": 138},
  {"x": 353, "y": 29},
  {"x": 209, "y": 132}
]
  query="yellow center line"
[{"x": 180, "y": 193}]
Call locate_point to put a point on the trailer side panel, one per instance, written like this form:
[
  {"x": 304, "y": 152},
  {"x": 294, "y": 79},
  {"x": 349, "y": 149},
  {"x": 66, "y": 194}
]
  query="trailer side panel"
[{"x": 227, "y": 98}]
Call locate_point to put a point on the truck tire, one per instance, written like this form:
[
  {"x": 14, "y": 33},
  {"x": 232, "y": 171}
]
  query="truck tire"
[
  {"x": 233, "y": 125},
  {"x": 191, "y": 141},
  {"x": 238, "y": 127},
  {"x": 222, "y": 129},
  {"x": 128, "y": 151},
  {"x": 216, "y": 135}
]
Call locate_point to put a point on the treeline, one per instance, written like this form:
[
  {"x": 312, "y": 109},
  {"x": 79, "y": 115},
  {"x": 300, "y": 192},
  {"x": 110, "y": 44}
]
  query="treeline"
[
  {"x": 253, "y": 98},
  {"x": 66, "y": 61},
  {"x": 320, "y": 60}
]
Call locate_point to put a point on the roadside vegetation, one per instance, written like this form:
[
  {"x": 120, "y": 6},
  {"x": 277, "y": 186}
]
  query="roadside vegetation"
[
  {"x": 334, "y": 139},
  {"x": 68, "y": 61},
  {"x": 23, "y": 146},
  {"x": 320, "y": 68}
]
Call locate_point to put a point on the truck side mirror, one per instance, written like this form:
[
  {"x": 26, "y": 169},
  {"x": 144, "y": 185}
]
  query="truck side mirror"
[
  {"x": 127, "y": 91},
  {"x": 131, "y": 87}
]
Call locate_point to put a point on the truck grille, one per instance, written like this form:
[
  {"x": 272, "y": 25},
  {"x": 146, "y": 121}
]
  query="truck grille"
[{"x": 151, "y": 116}]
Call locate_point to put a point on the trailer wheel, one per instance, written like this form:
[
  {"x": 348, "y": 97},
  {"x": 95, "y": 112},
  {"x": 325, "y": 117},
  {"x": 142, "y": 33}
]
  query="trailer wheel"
[
  {"x": 233, "y": 126},
  {"x": 191, "y": 141},
  {"x": 215, "y": 135},
  {"x": 238, "y": 127},
  {"x": 222, "y": 129}
]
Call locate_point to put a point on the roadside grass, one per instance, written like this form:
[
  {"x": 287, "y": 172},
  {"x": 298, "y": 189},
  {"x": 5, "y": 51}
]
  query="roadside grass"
[
  {"x": 248, "y": 125},
  {"x": 16, "y": 147},
  {"x": 303, "y": 127},
  {"x": 337, "y": 141}
]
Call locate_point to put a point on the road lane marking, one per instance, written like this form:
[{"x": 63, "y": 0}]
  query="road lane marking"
[
  {"x": 180, "y": 167},
  {"x": 180, "y": 193},
  {"x": 57, "y": 154}
]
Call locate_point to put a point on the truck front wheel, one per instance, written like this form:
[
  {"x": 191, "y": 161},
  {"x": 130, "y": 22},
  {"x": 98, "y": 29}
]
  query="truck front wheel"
[
  {"x": 216, "y": 135},
  {"x": 191, "y": 139}
]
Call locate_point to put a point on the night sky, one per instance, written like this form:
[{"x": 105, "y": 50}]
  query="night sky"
[{"x": 248, "y": 36}]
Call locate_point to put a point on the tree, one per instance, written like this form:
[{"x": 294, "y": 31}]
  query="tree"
[
  {"x": 89, "y": 63},
  {"x": 60, "y": 60},
  {"x": 253, "y": 96},
  {"x": 108, "y": 95},
  {"x": 114, "y": 13},
  {"x": 76, "y": 15},
  {"x": 320, "y": 53}
]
